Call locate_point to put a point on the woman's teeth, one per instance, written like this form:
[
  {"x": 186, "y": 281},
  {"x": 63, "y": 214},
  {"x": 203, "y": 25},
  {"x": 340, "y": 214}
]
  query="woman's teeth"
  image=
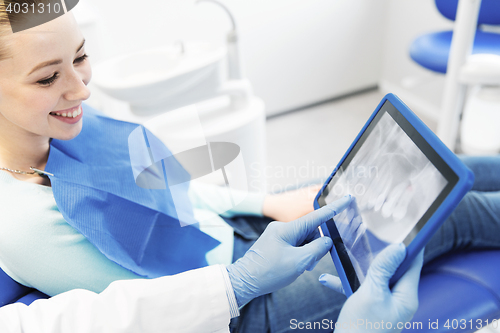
[{"x": 73, "y": 114}]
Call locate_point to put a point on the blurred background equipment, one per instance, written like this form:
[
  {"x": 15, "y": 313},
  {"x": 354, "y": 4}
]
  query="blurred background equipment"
[{"x": 193, "y": 94}]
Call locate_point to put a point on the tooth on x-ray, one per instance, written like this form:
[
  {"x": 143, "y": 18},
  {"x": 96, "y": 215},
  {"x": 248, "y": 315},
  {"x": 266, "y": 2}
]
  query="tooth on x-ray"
[{"x": 402, "y": 205}]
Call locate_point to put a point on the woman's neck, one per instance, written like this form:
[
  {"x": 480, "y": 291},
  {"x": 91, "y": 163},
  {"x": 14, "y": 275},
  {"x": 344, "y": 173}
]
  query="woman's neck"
[{"x": 20, "y": 151}]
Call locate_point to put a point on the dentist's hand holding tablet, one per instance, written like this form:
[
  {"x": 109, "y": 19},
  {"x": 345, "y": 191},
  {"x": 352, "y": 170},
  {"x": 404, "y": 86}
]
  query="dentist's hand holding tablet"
[{"x": 374, "y": 304}]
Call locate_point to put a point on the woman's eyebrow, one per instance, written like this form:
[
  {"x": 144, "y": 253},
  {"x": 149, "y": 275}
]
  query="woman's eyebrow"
[{"x": 54, "y": 62}]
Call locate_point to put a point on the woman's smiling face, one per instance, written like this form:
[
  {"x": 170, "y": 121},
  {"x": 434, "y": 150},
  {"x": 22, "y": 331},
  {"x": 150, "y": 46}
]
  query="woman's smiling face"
[{"x": 45, "y": 73}]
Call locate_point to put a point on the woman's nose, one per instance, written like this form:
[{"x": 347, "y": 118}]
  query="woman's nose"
[{"x": 77, "y": 87}]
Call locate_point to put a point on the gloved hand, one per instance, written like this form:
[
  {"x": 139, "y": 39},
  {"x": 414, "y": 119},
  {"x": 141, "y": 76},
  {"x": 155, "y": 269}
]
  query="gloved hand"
[
  {"x": 276, "y": 259},
  {"x": 374, "y": 307}
]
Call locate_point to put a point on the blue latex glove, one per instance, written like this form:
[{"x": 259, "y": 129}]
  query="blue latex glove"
[
  {"x": 374, "y": 302},
  {"x": 276, "y": 259}
]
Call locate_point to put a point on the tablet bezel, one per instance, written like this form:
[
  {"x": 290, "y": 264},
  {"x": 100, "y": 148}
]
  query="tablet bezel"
[{"x": 459, "y": 178}]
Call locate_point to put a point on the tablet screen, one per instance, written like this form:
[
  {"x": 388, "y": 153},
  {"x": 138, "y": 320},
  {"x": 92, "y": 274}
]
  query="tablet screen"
[{"x": 397, "y": 181}]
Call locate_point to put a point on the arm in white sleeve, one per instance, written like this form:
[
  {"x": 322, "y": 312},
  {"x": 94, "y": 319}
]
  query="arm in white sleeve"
[
  {"x": 200, "y": 300},
  {"x": 218, "y": 200}
]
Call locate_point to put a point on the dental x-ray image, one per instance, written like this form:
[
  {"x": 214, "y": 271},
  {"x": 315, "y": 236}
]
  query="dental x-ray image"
[{"x": 393, "y": 184}]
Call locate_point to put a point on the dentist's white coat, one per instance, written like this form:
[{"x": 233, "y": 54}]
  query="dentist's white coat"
[{"x": 193, "y": 301}]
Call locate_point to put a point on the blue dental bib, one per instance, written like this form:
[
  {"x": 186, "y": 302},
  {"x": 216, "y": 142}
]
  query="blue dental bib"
[{"x": 104, "y": 186}]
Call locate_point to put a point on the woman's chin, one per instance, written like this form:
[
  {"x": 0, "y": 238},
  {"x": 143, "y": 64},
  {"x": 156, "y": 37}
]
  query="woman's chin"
[{"x": 69, "y": 134}]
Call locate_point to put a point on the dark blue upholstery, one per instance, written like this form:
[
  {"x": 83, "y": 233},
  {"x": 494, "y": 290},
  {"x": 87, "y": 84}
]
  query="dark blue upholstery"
[
  {"x": 431, "y": 50},
  {"x": 11, "y": 291},
  {"x": 32, "y": 296},
  {"x": 460, "y": 286}
]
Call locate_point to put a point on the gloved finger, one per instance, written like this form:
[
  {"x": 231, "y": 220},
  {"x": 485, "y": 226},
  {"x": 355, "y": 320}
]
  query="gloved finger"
[
  {"x": 332, "y": 282},
  {"x": 298, "y": 230},
  {"x": 310, "y": 268},
  {"x": 312, "y": 236},
  {"x": 311, "y": 253},
  {"x": 385, "y": 265},
  {"x": 407, "y": 285}
]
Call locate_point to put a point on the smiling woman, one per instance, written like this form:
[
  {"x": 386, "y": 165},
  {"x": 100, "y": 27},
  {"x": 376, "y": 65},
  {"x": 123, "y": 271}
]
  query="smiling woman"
[{"x": 43, "y": 81}]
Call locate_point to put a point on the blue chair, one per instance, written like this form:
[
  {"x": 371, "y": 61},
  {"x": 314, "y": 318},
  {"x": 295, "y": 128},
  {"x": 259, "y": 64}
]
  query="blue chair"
[
  {"x": 432, "y": 50},
  {"x": 447, "y": 52}
]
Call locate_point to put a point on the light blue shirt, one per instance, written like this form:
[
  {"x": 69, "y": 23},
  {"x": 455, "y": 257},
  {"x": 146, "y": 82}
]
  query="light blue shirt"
[{"x": 40, "y": 250}]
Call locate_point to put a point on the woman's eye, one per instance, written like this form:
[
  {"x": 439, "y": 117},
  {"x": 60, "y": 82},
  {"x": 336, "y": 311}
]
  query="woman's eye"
[
  {"x": 81, "y": 59},
  {"x": 49, "y": 81}
]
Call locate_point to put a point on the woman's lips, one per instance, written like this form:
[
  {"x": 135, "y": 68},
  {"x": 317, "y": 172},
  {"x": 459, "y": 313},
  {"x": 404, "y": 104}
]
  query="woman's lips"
[{"x": 70, "y": 116}]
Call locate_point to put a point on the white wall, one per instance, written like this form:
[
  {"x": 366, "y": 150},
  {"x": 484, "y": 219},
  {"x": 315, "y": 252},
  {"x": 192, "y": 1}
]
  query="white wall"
[
  {"x": 295, "y": 52},
  {"x": 419, "y": 88}
]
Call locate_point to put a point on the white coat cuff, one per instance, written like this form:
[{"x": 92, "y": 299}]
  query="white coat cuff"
[{"x": 233, "y": 305}]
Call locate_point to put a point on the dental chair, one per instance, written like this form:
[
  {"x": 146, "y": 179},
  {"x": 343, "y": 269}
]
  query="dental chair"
[{"x": 460, "y": 287}]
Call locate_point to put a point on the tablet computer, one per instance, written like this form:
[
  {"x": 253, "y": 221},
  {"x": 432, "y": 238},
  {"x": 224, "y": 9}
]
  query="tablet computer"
[{"x": 404, "y": 182}]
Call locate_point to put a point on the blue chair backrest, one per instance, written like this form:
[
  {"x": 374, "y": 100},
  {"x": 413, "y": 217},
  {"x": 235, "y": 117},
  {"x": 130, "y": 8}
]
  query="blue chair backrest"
[{"x": 489, "y": 13}]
